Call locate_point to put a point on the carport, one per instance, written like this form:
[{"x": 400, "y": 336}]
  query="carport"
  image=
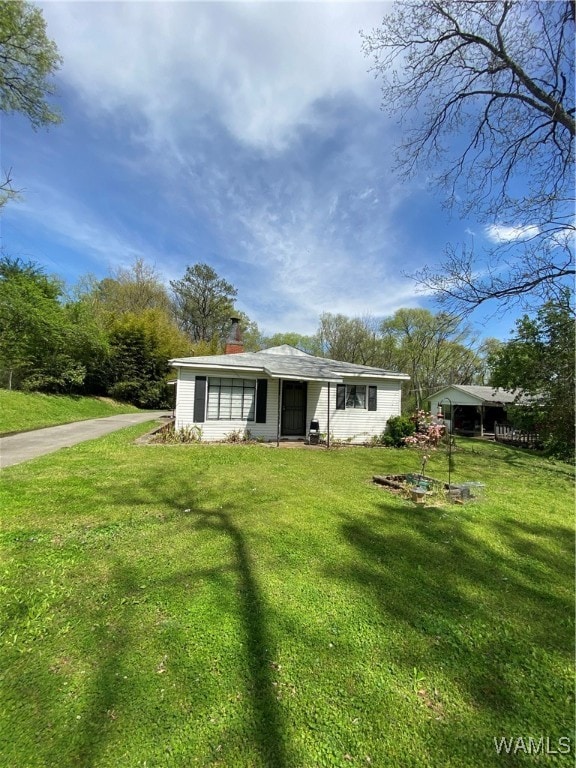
[{"x": 472, "y": 410}]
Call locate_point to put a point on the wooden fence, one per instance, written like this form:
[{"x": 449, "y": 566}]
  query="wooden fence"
[{"x": 512, "y": 436}]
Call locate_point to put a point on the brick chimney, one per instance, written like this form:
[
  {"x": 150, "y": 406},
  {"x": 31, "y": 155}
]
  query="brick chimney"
[{"x": 234, "y": 343}]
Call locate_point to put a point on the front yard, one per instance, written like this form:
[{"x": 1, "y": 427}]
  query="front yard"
[
  {"x": 247, "y": 606},
  {"x": 21, "y": 411}
]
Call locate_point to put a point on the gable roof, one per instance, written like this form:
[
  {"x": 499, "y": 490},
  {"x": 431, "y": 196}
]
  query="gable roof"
[
  {"x": 489, "y": 395},
  {"x": 286, "y": 362}
]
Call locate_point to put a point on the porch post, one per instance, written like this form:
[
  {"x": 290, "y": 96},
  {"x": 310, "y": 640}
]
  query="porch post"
[
  {"x": 328, "y": 419},
  {"x": 482, "y": 420},
  {"x": 278, "y": 415}
]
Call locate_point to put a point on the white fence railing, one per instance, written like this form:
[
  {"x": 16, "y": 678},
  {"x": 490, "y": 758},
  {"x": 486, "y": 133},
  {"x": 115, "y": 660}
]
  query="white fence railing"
[{"x": 506, "y": 434}]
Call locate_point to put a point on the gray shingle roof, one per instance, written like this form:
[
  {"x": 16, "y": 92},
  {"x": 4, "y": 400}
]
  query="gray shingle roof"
[
  {"x": 485, "y": 394},
  {"x": 286, "y": 362}
]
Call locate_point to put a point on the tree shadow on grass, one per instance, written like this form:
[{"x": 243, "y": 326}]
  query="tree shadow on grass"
[
  {"x": 269, "y": 727},
  {"x": 482, "y": 614},
  {"x": 110, "y": 641},
  {"x": 86, "y": 726},
  {"x": 243, "y": 599},
  {"x": 523, "y": 459}
]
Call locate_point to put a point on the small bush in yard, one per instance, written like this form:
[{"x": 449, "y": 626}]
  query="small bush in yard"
[
  {"x": 171, "y": 436},
  {"x": 397, "y": 429},
  {"x": 238, "y": 436}
]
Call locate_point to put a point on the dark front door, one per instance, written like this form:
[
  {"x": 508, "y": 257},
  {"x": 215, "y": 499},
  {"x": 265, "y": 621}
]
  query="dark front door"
[{"x": 294, "y": 408}]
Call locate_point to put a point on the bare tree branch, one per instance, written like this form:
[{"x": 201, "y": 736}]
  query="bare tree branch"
[
  {"x": 500, "y": 75},
  {"x": 7, "y": 191}
]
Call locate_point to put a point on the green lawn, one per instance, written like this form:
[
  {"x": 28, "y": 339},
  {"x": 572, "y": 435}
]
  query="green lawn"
[
  {"x": 21, "y": 411},
  {"x": 239, "y": 606}
]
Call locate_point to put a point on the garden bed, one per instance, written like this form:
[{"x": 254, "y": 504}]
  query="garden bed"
[{"x": 417, "y": 487}]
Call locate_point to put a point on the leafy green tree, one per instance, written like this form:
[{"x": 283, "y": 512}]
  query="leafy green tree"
[
  {"x": 128, "y": 289},
  {"x": 137, "y": 365},
  {"x": 251, "y": 336},
  {"x": 133, "y": 314},
  {"x": 136, "y": 288},
  {"x": 30, "y": 319},
  {"x": 538, "y": 364},
  {"x": 89, "y": 345},
  {"x": 28, "y": 60},
  {"x": 140, "y": 346},
  {"x": 138, "y": 295},
  {"x": 487, "y": 351},
  {"x": 204, "y": 303},
  {"x": 431, "y": 349},
  {"x": 45, "y": 344}
]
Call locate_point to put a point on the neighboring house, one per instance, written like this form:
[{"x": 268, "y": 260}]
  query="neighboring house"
[
  {"x": 474, "y": 409},
  {"x": 276, "y": 394}
]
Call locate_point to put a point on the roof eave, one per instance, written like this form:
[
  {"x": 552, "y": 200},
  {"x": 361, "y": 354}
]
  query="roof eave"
[
  {"x": 296, "y": 377},
  {"x": 214, "y": 366},
  {"x": 383, "y": 375}
]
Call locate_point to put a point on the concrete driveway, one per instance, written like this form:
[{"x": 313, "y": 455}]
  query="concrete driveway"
[{"x": 15, "y": 449}]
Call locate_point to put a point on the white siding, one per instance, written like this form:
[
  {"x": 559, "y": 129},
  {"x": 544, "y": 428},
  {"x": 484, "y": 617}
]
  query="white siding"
[
  {"x": 215, "y": 429},
  {"x": 457, "y": 396},
  {"x": 355, "y": 424}
]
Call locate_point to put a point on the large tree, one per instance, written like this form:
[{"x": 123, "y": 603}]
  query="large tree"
[
  {"x": 485, "y": 93},
  {"x": 42, "y": 345},
  {"x": 204, "y": 303},
  {"x": 132, "y": 310},
  {"x": 135, "y": 288},
  {"x": 137, "y": 366},
  {"x": 538, "y": 364},
  {"x": 28, "y": 60},
  {"x": 433, "y": 349},
  {"x": 353, "y": 339}
]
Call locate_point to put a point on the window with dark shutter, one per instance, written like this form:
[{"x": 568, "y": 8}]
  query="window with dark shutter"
[
  {"x": 200, "y": 399},
  {"x": 355, "y": 396},
  {"x": 372, "y": 398},
  {"x": 261, "y": 397},
  {"x": 340, "y": 397}
]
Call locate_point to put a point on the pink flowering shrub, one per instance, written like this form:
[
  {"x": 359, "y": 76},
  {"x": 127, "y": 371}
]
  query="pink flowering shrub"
[{"x": 428, "y": 432}]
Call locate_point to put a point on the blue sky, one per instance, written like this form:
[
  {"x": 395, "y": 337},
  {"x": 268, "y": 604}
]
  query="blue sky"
[{"x": 248, "y": 136}]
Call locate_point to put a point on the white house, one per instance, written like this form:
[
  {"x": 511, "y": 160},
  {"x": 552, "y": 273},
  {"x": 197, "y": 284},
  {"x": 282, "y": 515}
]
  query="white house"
[{"x": 276, "y": 394}]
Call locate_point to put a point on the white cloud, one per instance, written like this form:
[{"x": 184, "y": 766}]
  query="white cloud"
[
  {"x": 498, "y": 233},
  {"x": 77, "y": 227},
  {"x": 258, "y": 67},
  {"x": 305, "y": 266},
  {"x": 257, "y": 126}
]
